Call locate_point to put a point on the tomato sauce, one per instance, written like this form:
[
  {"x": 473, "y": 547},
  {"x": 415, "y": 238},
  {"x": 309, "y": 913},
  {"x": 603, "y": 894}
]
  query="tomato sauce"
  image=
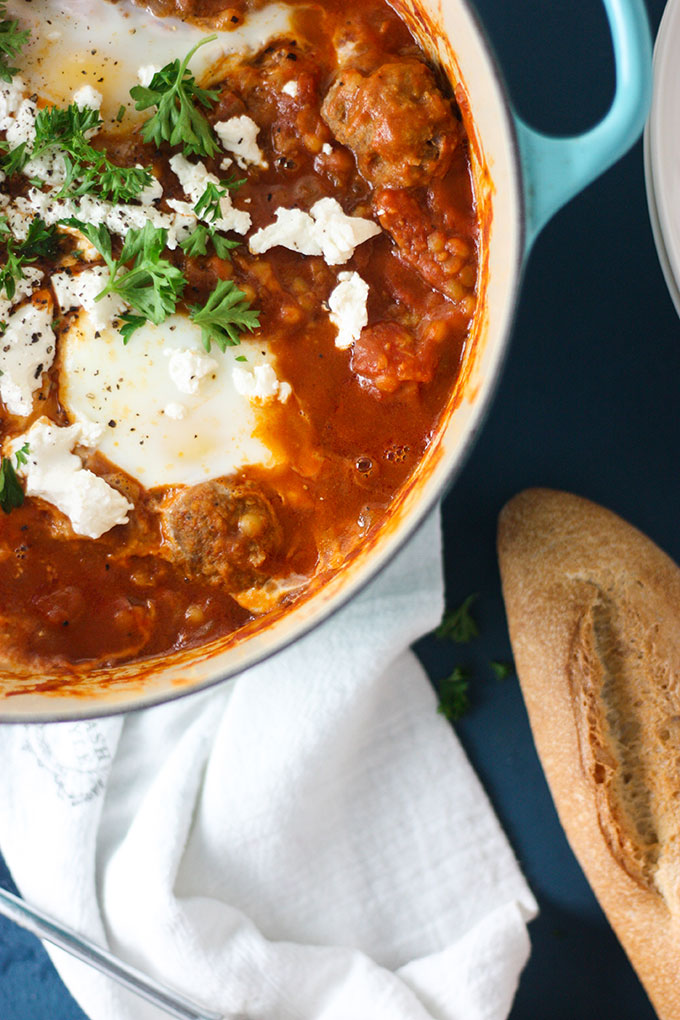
[{"x": 373, "y": 125}]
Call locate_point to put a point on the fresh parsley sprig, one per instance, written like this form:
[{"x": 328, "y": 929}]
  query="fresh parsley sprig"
[
  {"x": 209, "y": 205},
  {"x": 151, "y": 286},
  {"x": 11, "y": 492},
  {"x": 224, "y": 316},
  {"x": 89, "y": 171},
  {"x": 177, "y": 98},
  {"x": 12, "y": 41},
  {"x": 197, "y": 242},
  {"x": 208, "y": 208}
]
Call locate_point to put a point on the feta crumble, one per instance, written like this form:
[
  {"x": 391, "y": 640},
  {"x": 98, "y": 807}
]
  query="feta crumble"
[
  {"x": 88, "y": 97},
  {"x": 23, "y": 287},
  {"x": 348, "y": 308},
  {"x": 327, "y": 149},
  {"x": 260, "y": 383},
  {"x": 79, "y": 290},
  {"x": 118, "y": 218},
  {"x": 11, "y": 97},
  {"x": 290, "y": 88},
  {"x": 54, "y": 473},
  {"x": 237, "y": 136},
  {"x": 175, "y": 411},
  {"x": 188, "y": 367},
  {"x": 325, "y": 230},
  {"x": 194, "y": 178},
  {"x": 26, "y": 351}
]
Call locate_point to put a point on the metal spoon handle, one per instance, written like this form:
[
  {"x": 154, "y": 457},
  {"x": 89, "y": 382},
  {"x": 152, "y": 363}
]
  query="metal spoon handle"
[{"x": 45, "y": 927}]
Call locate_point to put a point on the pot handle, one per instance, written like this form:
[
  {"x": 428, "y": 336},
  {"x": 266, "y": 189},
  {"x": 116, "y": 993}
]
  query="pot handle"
[{"x": 556, "y": 169}]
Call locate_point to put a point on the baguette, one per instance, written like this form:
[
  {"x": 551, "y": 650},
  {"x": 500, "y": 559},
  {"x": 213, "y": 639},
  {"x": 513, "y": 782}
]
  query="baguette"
[{"x": 593, "y": 608}]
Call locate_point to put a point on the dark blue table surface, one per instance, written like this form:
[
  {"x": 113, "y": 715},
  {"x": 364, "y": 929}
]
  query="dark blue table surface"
[{"x": 588, "y": 403}]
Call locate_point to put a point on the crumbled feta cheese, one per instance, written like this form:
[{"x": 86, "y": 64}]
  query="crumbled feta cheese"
[
  {"x": 348, "y": 308},
  {"x": 340, "y": 234},
  {"x": 260, "y": 383},
  {"x": 327, "y": 149},
  {"x": 54, "y": 473},
  {"x": 23, "y": 287},
  {"x": 145, "y": 74},
  {"x": 119, "y": 219},
  {"x": 292, "y": 229},
  {"x": 187, "y": 367},
  {"x": 152, "y": 192},
  {"x": 79, "y": 290},
  {"x": 21, "y": 127},
  {"x": 176, "y": 411},
  {"x": 226, "y": 163},
  {"x": 325, "y": 230},
  {"x": 194, "y": 178},
  {"x": 11, "y": 97},
  {"x": 290, "y": 88},
  {"x": 237, "y": 136},
  {"x": 87, "y": 96},
  {"x": 26, "y": 351}
]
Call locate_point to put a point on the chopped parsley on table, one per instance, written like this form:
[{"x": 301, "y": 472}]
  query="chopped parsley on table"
[
  {"x": 454, "y": 699},
  {"x": 458, "y": 624}
]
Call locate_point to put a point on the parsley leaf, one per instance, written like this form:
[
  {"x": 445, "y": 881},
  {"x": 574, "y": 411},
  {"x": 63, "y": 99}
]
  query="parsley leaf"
[
  {"x": 178, "y": 119},
  {"x": 22, "y": 455},
  {"x": 458, "y": 624},
  {"x": 224, "y": 316},
  {"x": 12, "y": 41},
  {"x": 99, "y": 237},
  {"x": 14, "y": 160},
  {"x": 40, "y": 242},
  {"x": 502, "y": 670},
  {"x": 197, "y": 242},
  {"x": 10, "y": 272},
  {"x": 131, "y": 323},
  {"x": 151, "y": 287},
  {"x": 454, "y": 700},
  {"x": 11, "y": 493},
  {"x": 208, "y": 206}
]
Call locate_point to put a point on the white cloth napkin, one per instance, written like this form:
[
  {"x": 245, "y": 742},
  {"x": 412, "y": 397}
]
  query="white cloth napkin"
[{"x": 305, "y": 842}]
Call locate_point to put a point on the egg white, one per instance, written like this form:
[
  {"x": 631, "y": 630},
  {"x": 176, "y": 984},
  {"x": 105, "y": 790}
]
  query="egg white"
[
  {"x": 152, "y": 431},
  {"x": 128, "y": 388},
  {"x": 102, "y": 44}
]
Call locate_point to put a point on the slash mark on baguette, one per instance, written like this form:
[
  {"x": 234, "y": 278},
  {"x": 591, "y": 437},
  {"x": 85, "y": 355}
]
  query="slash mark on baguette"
[{"x": 628, "y": 722}]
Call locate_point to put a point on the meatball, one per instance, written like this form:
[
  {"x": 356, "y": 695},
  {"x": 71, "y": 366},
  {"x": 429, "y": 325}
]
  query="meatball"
[
  {"x": 400, "y": 127},
  {"x": 221, "y": 531}
]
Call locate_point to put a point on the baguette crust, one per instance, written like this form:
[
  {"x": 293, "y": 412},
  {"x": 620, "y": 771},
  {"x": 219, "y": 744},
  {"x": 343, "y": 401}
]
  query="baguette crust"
[{"x": 593, "y": 609}]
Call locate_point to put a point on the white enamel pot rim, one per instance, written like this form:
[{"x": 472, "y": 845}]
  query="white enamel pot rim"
[{"x": 528, "y": 177}]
